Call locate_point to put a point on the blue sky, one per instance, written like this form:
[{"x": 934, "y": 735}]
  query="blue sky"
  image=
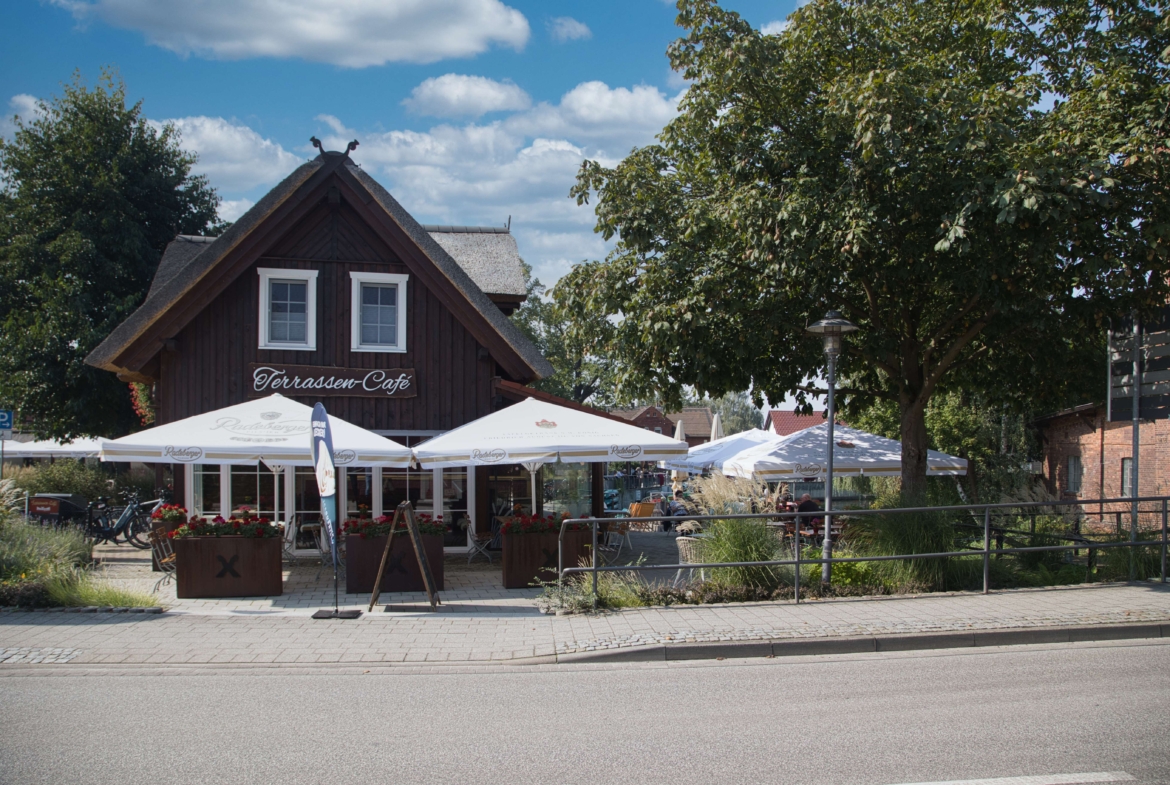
[{"x": 467, "y": 110}]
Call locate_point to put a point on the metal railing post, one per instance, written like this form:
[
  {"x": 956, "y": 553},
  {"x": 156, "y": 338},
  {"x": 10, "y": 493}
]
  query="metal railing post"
[
  {"x": 986, "y": 550},
  {"x": 594, "y": 557},
  {"x": 796, "y": 541},
  {"x": 1163, "y": 580}
]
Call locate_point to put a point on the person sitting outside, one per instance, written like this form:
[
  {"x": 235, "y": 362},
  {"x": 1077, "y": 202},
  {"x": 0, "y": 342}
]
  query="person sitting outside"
[
  {"x": 807, "y": 505},
  {"x": 677, "y": 508}
]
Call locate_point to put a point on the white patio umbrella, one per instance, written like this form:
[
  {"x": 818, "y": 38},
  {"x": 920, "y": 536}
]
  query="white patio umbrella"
[
  {"x": 803, "y": 454},
  {"x": 537, "y": 432},
  {"x": 78, "y": 448},
  {"x": 716, "y": 428},
  {"x": 680, "y": 434},
  {"x": 273, "y": 429},
  {"x": 714, "y": 454}
]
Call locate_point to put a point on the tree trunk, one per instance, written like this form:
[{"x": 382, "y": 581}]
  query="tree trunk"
[{"x": 914, "y": 446}]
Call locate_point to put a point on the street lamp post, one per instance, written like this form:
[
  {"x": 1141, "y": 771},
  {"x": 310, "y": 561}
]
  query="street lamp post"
[{"x": 831, "y": 328}]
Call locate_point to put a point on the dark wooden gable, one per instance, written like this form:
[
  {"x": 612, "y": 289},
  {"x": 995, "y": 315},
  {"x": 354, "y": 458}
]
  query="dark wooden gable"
[{"x": 207, "y": 364}]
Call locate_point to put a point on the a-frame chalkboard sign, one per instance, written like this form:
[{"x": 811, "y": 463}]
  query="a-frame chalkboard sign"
[{"x": 405, "y": 515}]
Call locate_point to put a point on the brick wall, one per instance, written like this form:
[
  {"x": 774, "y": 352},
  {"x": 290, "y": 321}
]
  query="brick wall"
[{"x": 1101, "y": 446}]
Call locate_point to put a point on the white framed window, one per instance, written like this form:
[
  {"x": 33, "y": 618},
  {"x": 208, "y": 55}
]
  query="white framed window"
[
  {"x": 288, "y": 309},
  {"x": 378, "y": 312}
]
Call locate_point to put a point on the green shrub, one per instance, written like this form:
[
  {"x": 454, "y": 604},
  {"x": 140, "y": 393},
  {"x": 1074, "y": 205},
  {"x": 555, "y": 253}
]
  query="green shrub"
[
  {"x": 740, "y": 540},
  {"x": 89, "y": 480},
  {"x": 898, "y": 533},
  {"x": 30, "y": 553}
]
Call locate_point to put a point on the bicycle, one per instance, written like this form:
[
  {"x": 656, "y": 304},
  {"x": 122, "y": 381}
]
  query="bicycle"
[{"x": 132, "y": 525}]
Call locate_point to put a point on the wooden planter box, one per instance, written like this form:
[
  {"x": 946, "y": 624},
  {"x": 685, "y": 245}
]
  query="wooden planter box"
[
  {"x": 363, "y": 556},
  {"x": 531, "y": 556},
  {"x": 227, "y": 567}
]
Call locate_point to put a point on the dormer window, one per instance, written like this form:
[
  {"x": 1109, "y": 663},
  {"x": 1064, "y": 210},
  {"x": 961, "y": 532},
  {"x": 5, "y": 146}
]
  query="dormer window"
[
  {"x": 288, "y": 309},
  {"x": 378, "y": 312}
]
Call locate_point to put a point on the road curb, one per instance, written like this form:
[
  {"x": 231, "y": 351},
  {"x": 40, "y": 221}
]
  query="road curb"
[{"x": 862, "y": 644}]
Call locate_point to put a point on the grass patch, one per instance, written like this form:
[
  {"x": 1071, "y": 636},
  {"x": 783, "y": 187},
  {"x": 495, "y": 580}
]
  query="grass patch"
[
  {"x": 83, "y": 589},
  {"x": 42, "y": 567}
]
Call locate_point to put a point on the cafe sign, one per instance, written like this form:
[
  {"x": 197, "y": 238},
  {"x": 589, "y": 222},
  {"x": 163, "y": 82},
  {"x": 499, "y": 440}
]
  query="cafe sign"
[{"x": 318, "y": 381}]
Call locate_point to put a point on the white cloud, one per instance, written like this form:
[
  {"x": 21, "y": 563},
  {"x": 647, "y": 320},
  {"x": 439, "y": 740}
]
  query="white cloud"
[
  {"x": 454, "y": 95},
  {"x": 234, "y": 157},
  {"x": 22, "y": 105},
  {"x": 522, "y": 165},
  {"x": 775, "y": 27},
  {"x": 232, "y": 209},
  {"x": 352, "y": 33},
  {"x": 566, "y": 28}
]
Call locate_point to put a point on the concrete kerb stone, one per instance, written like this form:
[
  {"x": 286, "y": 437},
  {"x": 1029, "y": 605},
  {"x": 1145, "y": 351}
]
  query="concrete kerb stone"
[{"x": 794, "y": 647}]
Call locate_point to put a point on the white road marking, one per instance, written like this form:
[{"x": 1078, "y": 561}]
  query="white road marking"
[{"x": 1042, "y": 779}]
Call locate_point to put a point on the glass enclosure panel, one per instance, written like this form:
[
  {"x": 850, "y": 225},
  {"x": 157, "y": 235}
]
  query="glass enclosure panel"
[
  {"x": 455, "y": 506},
  {"x": 359, "y": 491},
  {"x": 206, "y": 489},
  {"x": 253, "y": 488},
  {"x": 509, "y": 490},
  {"x": 568, "y": 488},
  {"x": 306, "y": 500}
]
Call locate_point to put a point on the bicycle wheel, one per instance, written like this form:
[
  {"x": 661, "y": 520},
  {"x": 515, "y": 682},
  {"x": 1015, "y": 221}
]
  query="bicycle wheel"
[{"x": 138, "y": 533}]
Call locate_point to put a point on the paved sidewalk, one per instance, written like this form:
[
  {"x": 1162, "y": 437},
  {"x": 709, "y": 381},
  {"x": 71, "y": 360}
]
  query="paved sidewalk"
[{"x": 469, "y": 635}]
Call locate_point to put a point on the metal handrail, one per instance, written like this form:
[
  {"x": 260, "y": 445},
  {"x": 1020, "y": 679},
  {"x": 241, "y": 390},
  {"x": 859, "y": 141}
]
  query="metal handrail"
[{"x": 799, "y": 560}]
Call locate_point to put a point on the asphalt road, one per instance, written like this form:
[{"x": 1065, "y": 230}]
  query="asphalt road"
[{"x": 869, "y": 720}]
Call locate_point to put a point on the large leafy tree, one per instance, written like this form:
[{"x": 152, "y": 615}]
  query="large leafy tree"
[
  {"x": 91, "y": 196},
  {"x": 580, "y": 376},
  {"x": 975, "y": 184}
]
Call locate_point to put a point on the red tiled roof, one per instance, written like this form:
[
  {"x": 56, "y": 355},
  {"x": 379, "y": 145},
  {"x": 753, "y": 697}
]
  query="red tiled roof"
[
  {"x": 784, "y": 423},
  {"x": 696, "y": 420}
]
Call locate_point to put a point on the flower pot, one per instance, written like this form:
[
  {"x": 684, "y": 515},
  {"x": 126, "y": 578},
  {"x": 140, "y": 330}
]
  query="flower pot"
[
  {"x": 531, "y": 556},
  {"x": 363, "y": 555},
  {"x": 227, "y": 567}
]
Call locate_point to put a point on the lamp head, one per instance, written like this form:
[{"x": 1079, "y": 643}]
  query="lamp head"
[{"x": 831, "y": 328}]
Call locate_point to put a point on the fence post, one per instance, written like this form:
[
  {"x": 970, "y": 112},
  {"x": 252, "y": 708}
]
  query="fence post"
[
  {"x": 1163, "y": 541},
  {"x": 594, "y": 557},
  {"x": 986, "y": 550},
  {"x": 796, "y": 540}
]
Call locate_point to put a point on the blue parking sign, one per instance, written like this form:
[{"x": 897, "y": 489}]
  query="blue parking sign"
[{"x": 5, "y": 419}]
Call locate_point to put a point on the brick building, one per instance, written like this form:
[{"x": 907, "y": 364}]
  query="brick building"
[
  {"x": 649, "y": 417},
  {"x": 697, "y": 421},
  {"x": 1088, "y": 458}
]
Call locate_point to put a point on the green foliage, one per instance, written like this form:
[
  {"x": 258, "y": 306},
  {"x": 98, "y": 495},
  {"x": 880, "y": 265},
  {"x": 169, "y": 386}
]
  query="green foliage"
[
  {"x": 66, "y": 476},
  {"x": 736, "y": 411},
  {"x": 902, "y": 533},
  {"x": 995, "y": 440},
  {"x": 79, "y": 588},
  {"x": 895, "y": 160},
  {"x": 34, "y": 554},
  {"x": 740, "y": 540},
  {"x": 581, "y": 374},
  {"x": 92, "y": 194}
]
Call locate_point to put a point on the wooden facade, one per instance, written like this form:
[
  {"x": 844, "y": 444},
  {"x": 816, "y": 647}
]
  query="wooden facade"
[{"x": 206, "y": 365}]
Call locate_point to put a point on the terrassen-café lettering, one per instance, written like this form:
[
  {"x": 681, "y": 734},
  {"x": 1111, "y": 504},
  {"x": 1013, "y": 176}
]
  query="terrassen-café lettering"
[{"x": 322, "y": 381}]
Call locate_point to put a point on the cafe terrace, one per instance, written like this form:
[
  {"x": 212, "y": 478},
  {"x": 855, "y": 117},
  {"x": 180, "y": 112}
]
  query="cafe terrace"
[{"x": 328, "y": 290}]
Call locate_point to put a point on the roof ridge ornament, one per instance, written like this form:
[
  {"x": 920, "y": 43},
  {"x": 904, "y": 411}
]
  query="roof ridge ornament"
[{"x": 349, "y": 148}]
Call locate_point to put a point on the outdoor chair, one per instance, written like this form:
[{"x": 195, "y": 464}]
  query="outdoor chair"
[
  {"x": 615, "y": 537},
  {"x": 644, "y": 510},
  {"x": 164, "y": 554},
  {"x": 690, "y": 551},
  {"x": 323, "y": 549},
  {"x": 479, "y": 542},
  {"x": 288, "y": 547}
]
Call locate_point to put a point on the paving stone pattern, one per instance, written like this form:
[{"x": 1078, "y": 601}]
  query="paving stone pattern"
[{"x": 468, "y": 635}]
